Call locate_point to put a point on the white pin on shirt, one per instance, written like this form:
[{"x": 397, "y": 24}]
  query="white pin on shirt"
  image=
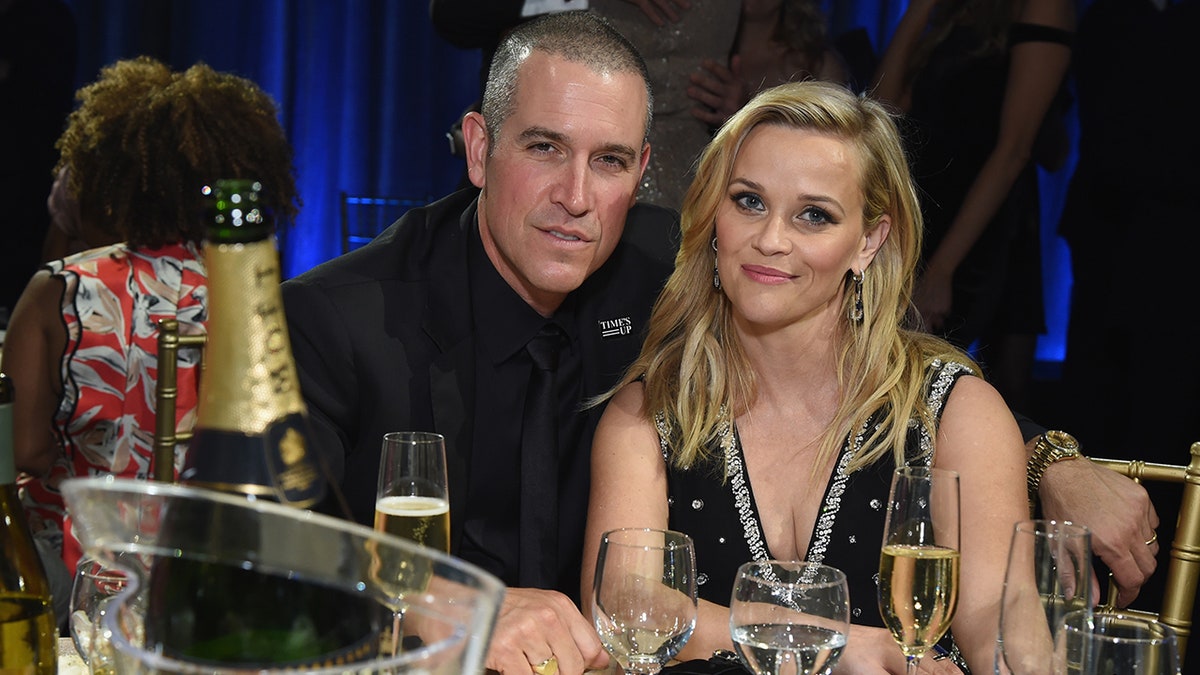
[{"x": 611, "y": 328}]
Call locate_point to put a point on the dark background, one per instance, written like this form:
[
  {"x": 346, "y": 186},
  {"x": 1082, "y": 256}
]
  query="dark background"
[{"x": 367, "y": 90}]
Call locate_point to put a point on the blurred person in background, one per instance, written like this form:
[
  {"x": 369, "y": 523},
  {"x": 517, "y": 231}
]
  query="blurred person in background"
[{"x": 81, "y": 347}]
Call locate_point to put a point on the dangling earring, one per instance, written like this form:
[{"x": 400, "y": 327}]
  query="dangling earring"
[
  {"x": 856, "y": 311},
  {"x": 716, "y": 273}
]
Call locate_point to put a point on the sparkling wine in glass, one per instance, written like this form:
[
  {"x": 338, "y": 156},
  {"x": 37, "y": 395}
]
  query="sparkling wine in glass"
[
  {"x": 644, "y": 596},
  {"x": 1049, "y": 574},
  {"x": 919, "y": 563},
  {"x": 789, "y": 618},
  {"x": 412, "y": 498},
  {"x": 412, "y": 501}
]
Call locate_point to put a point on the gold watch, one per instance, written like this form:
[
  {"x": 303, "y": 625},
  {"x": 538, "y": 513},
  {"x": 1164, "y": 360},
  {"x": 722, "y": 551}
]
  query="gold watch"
[{"x": 1051, "y": 447}]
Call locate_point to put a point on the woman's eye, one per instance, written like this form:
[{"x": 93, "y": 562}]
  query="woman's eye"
[
  {"x": 748, "y": 201},
  {"x": 815, "y": 215}
]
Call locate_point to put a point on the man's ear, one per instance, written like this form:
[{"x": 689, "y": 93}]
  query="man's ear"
[
  {"x": 641, "y": 174},
  {"x": 475, "y": 138}
]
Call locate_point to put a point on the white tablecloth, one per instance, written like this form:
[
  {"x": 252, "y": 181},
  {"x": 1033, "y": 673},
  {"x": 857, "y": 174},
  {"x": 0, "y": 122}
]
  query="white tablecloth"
[{"x": 69, "y": 662}]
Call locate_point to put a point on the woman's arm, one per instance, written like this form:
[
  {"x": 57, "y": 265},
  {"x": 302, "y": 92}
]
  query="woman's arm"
[
  {"x": 979, "y": 439},
  {"x": 890, "y": 84},
  {"x": 629, "y": 489},
  {"x": 33, "y": 348},
  {"x": 629, "y": 479}
]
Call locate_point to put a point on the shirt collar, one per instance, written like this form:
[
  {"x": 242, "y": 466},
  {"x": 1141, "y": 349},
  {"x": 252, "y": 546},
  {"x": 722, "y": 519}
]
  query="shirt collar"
[{"x": 504, "y": 322}]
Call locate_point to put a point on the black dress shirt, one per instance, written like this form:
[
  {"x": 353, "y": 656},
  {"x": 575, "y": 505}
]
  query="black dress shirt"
[{"x": 504, "y": 323}]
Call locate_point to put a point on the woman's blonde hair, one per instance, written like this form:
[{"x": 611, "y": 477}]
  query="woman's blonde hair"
[{"x": 695, "y": 371}]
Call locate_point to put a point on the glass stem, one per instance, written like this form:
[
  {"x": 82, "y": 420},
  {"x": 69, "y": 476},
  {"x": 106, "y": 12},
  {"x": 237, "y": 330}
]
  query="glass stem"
[{"x": 911, "y": 664}]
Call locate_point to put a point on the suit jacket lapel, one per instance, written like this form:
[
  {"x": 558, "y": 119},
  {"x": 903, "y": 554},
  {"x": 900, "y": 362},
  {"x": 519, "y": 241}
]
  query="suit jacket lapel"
[{"x": 452, "y": 369}]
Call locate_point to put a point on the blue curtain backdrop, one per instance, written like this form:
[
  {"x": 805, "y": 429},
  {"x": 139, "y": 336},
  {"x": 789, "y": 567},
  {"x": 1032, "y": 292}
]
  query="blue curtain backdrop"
[{"x": 367, "y": 90}]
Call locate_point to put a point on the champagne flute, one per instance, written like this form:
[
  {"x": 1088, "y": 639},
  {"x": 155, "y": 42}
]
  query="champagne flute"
[
  {"x": 1112, "y": 643},
  {"x": 644, "y": 596},
  {"x": 412, "y": 500},
  {"x": 1049, "y": 573},
  {"x": 919, "y": 563},
  {"x": 789, "y": 618}
]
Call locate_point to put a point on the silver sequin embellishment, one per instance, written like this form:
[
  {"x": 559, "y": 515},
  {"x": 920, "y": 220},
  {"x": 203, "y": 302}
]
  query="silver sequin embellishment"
[{"x": 697, "y": 504}]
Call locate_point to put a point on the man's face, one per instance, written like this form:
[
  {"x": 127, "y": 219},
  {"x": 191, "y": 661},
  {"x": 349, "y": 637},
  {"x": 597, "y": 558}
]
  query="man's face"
[{"x": 562, "y": 175}]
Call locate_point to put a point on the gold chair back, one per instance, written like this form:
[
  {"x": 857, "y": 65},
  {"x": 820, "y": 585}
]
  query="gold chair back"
[
  {"x": 1183, "y": 569},
  {"x": 166, "y": 392},
  {"x": 365, "y": 216}
]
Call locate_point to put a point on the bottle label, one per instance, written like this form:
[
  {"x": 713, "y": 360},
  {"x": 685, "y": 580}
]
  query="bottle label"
[
  {"x": 251, "y": 463},
  {"x": 252, "y": 380}
]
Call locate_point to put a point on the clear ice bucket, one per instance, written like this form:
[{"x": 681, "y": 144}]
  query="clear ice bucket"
[{"x": 436, "y": 611}]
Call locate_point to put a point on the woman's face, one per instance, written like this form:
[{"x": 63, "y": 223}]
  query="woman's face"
[{"x": 791, "y": 227}]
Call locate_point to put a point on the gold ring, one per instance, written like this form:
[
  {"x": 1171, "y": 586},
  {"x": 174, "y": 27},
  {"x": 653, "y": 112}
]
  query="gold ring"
[
  {"x": 1153, "y": 538},
  {"x": 547, "y": 667}
]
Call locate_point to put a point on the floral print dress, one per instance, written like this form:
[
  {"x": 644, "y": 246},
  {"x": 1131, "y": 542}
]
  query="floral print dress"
[{"x": 113, "y": 299}]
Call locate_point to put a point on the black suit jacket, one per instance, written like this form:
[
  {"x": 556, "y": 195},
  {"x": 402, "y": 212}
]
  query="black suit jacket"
[{"x": 383, "y": 341}]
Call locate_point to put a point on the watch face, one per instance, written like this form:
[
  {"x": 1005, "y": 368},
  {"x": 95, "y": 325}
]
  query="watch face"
[{"x": 1061, "y": 440}]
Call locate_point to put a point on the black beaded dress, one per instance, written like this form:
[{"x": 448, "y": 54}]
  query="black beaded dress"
[{"x": 722, "y": 516}]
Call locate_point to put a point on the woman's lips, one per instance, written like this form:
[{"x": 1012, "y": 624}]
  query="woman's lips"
[{"x": 766, "y": 275}]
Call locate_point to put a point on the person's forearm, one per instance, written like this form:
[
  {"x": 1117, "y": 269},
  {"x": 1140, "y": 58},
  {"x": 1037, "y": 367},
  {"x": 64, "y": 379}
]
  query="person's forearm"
[
  {"x": 983, "y": 200},
  {"x": 712, "y": 632},
  {"x": 889, "y": 84}
]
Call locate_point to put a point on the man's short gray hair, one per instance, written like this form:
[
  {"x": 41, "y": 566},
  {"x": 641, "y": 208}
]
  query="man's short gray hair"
[{"x": 579, "y": 36}]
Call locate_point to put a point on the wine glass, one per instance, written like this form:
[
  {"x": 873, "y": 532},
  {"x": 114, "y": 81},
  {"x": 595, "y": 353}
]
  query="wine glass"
[
  {"x": 412, "y": 500},
  {"x": 1112, "y": 643},
  {"x": 919, "y": 563},
  {"x": 95, "y": 585},
  {"x": 1049, "y": 573},
  {"x": 789, "y": 618},
  {"x": 644, "y": 596}
]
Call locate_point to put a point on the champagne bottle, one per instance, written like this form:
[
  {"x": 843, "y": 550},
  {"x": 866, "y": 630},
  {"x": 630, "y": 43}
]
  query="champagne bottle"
[
  {"x": 28, "y": 631},
  {"x": 251, "y": 437},
  {"x": 251, "y": 431}
]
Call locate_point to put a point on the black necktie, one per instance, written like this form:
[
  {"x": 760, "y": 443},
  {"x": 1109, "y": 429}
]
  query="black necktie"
[{"x": 539, "y": 464}]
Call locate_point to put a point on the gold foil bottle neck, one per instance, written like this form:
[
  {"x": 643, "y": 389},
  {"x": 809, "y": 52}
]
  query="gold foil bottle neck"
[{"x": 250, "y": 379}]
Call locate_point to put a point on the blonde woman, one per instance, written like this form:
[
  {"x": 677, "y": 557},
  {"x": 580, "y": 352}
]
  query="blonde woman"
[{"x": 782, "y": 379}]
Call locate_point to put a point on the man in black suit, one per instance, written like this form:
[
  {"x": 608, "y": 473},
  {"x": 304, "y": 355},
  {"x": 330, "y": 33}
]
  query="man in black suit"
[{"x": 425, "y": 327}]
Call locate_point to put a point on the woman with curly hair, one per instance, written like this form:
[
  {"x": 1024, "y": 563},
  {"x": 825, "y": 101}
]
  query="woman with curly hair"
[
  {"x": 784, "y": 377},
  {"x": 81, "y": 346}
]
